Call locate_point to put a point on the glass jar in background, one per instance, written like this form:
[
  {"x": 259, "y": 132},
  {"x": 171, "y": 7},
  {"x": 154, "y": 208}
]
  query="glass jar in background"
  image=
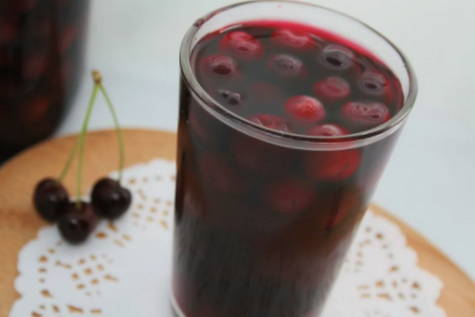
[{"x": 41, "y": 56}]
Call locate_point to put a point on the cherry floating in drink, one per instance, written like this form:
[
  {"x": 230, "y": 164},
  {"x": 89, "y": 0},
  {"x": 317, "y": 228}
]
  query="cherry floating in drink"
[{"x": 282, "y": 139}]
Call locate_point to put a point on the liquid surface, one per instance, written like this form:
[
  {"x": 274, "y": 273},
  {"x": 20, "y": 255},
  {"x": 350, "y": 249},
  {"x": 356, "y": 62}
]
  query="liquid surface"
[{"x": 295, "y": 78}]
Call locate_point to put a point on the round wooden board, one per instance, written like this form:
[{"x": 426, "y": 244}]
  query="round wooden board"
[{"x": 19, "y": 224}]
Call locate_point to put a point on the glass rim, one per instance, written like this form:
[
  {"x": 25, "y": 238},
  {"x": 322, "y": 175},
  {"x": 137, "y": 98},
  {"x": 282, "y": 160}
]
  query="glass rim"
[{"x": 226, "y": 115}]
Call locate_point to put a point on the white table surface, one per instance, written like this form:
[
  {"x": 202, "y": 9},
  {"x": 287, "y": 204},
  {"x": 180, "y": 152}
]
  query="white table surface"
[{"x": 430, "y": 180}]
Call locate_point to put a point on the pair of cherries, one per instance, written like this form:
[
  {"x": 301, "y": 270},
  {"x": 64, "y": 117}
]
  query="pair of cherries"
[{"x": 109, "y": 199}]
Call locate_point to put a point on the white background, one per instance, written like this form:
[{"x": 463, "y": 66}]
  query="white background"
[{"x": 430, "y": 181}]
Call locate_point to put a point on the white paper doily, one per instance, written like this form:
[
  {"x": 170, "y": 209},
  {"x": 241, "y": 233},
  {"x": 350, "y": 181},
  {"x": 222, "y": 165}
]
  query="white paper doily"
[{"x": 124, "y": 269}]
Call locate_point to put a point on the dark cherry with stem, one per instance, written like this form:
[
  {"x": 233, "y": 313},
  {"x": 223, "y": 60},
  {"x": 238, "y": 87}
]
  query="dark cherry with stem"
[
  {"x": 50, "y": 199},
  {"x": 78, "y": 222},
  {"x": 109, "y": 198}
]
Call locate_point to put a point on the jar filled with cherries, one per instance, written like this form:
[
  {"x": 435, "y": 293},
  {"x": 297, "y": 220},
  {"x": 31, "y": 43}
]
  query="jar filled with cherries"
[{"x": 41, "y": 54}]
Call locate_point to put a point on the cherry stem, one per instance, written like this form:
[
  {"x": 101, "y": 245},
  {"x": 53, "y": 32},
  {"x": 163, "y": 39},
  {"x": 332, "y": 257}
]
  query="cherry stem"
[
  {"x": 72, "y": 155},
  {"x": 82, "y": 139},
  {"x": 120, "y": 137}
]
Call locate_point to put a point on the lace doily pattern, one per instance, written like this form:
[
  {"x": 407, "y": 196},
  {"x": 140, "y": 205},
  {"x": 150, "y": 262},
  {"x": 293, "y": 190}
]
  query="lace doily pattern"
[{"x": 124, "y": 269}]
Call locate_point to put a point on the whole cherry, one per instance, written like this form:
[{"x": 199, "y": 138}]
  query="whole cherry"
[
  {"x": 50, "y": 199},
  {"x": 109, "y": 199},
  {"x": 285, "y": 66},
  {"x": 221, "y": 66},
  {"x": 336, "y": 57},
  {"x": 332, "y": 89},
  {"x": 365, "y": 114},
  {"x": 333, "y": 165},
  {"x": 305, "y": 108},
  {"x": 78, "y": 222},
  {"x": 242, "y": 45},
  {"x": 293, "y": 39}
]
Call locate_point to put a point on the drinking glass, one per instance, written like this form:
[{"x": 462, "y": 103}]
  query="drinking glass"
[{"x": 233, "y": 254}]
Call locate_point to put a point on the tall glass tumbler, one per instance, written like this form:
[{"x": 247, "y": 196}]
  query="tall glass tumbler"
[{"x": 234, "y": 255}]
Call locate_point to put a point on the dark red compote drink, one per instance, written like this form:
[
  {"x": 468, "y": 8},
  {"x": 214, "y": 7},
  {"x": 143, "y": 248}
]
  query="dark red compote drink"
[
  {"x": 276, "y": 166},
  {"x": 41, "y": 49}
]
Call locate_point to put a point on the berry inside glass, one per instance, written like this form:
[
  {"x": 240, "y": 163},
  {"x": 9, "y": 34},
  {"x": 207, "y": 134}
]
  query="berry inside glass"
[
  {"x": 41, "y": 54},
  {"x": 284, "y": 131}
]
